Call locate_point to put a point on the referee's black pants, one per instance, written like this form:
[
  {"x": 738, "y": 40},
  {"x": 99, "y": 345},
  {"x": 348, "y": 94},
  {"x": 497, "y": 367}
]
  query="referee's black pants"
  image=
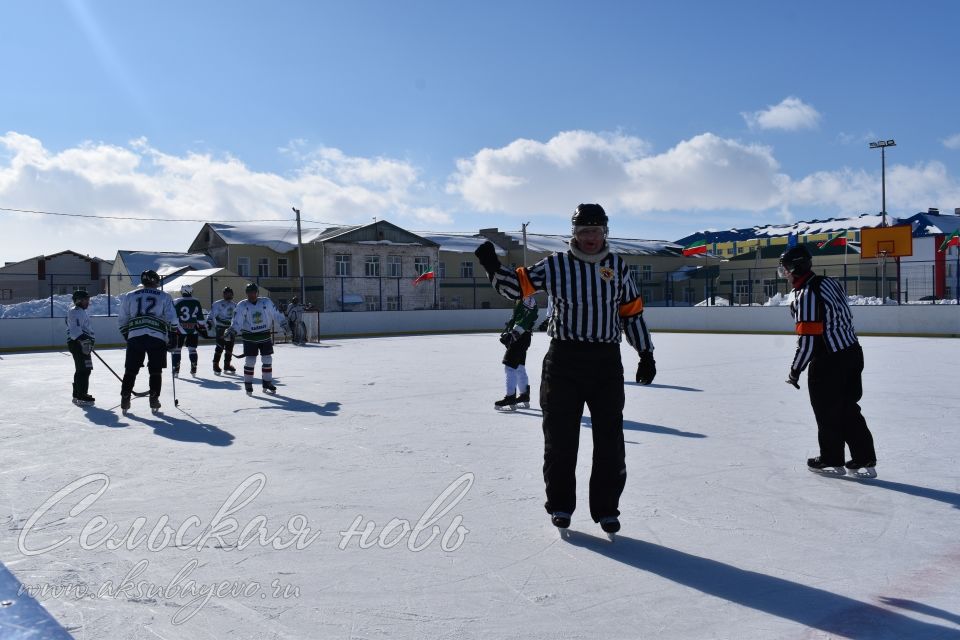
[
  {"x": 574, "y": 374},
  {"x": 835, "y": 384}
]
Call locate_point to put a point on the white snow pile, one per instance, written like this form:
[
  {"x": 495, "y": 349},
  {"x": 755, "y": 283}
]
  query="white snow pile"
[{"x": 61, "y": 304}]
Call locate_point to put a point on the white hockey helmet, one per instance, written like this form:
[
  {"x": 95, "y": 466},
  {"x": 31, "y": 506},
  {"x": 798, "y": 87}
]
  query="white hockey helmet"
[{"x": 186, "y": 290}]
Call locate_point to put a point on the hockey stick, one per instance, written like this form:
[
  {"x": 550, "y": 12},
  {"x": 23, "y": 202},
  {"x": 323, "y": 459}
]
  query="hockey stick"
[
  {"x": 173, "y": 378},
  {"x": 139, "y": 394}
]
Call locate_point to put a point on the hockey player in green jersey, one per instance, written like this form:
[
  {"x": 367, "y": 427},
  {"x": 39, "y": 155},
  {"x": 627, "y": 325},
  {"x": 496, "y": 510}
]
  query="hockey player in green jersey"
[
  {"x": 190, "y": 314},
  {"x": 516, "y": 338}
]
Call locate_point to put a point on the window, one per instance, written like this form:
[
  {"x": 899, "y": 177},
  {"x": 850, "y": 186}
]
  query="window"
[
  {"x": 441, "y": 271},
  {"x": 646, "y": 272},
  {"x": 371, "y": 303},
  {"x": 283, "y": 270},
  {"x": 6, "y": 294},
  {"x": 342, "y": 262},
  {"x": 634, "y": 271},
  {"x": 263, "y": 267},
  {"x": 421, "y": 264},
  {"x": 243, "y": 267},
  {"x": 455, "y": 302},
  {"x": 741, "y": 292},
  {"x": 769, "y": 288},
  {"x": 466, "y": 269},
  {"x": 394, "y": 265},
  {"x": 393, "y": 303},
  {"x": 371, "y": 266}
]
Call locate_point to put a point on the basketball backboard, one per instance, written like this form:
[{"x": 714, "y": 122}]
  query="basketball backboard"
[{"x": 888, "y": 242}]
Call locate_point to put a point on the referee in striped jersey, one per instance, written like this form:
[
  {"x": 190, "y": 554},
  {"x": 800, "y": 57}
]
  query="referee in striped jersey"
[
  {"x": 827, "y": 342},
  {"x": 594, "y": 301}
]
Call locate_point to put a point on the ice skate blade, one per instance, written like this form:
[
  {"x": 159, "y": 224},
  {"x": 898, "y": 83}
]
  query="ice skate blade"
[
  {"x": 523, "y": 405},
  {"x": 864, "y": 473},
  {"x": 829, "y": 471},
  {"x": 509, "y": 407},
  {"x": 612, "y": 537}
]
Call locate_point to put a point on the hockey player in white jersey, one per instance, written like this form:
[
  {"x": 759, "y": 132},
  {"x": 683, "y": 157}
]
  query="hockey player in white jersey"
[
  {"x": 253, "y": 321},
  {"x": 148, "y": 322},
  {"x": 218, "y": 321},
  {"x": 80, "y": 343}
]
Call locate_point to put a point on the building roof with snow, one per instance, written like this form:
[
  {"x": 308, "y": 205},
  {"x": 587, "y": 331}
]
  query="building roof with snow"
[{"x": 811, "y": 227}]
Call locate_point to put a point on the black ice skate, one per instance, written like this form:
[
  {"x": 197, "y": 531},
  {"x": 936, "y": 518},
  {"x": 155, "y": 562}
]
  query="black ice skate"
[
  {"x": 216, "y": 368},
  {"x": 268, "y": 387},
  {"x": 509, "y": 403},
  {"x": 193, "y": 369},
  {"x": 610, "y": 525},
  {"x": 83, "y": 401},
  {"x": 560, "y": 519},
  {"x": 229, "y": 368},
  {"x": 862, "y": 469},
  {"x": 248, "y": 386},
  {"x": 125, "y": 403},
  {"x": 523, "y": 400},
  {"x": 154, "y": 404},
  {"x": 819, "y": 466}
]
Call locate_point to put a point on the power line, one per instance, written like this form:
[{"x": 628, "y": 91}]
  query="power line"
[{"x": 101, "y": 217}]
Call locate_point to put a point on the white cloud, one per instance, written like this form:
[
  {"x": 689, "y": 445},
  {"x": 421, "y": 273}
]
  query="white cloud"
[
  {"x": 139, "y": 180},
  {"x": 529, "y": 177},
  {"x": 706, "y": 173},
  {"x": 953, "y": 142},
  {"x": 791, "y": 114}
]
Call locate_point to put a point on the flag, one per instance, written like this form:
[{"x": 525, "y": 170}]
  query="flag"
[
  {"x": 698, "y": 247},
  {"x": 953, "y": 240},
  {"x": 837, "y": 240},
  {"x": 426, "y": 275}
]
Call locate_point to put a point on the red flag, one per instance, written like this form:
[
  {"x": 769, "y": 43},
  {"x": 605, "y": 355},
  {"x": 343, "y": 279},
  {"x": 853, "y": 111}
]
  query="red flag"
[{"x": 426, "y": 275}]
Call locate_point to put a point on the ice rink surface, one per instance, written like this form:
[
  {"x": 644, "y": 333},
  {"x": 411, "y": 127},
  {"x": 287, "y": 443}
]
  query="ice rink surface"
[{"x": 725, "y": 533}]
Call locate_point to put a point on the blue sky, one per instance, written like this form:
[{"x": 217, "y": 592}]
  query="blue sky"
[{"x": 453, "y": 116}]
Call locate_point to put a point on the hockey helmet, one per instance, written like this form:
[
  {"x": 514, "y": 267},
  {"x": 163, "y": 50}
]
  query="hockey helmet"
[
  {"x": 227, "y": 290},
  {"x": 80, "y": 294},
  {"x": 589, "y": 215},
  {"x": 252, "y": 286},
  {"x": 186, "y": 290},
  {"x": 795, "y": 261},
  {"x": 149, "y": 278}
]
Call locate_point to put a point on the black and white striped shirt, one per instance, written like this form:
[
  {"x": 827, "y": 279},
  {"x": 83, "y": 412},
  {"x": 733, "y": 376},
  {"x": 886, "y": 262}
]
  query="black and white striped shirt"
[
  {"x": 591, "y": 302},
  {"x": 823, "y": 319}
]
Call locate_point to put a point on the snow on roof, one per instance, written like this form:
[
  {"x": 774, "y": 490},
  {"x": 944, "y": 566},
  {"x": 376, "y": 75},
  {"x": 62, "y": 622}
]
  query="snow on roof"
[
  {"x": 544, "y": 243},
  {"x": 811, "y": 227},
  {"x": 190, "y": 277},
  {"x": 457, "y": 242},
  {"x": 164, "y": 263},
  {"x": 282, "y": 239}
]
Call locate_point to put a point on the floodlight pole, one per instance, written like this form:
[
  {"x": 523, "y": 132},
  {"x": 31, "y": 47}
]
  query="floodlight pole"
[
  {"x": 882, "y": 145},
  {"x": 303, "y": 293}
]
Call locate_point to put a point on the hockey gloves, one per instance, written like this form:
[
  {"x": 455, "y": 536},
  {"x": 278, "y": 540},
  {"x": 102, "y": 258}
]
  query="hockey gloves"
[
  {"x": 647, "y": 369},
  {"x": 793, "y": 378},
  {"x": 229, "y": 335},
  {"x": 508, "y": 338},
  {"x": 487, "y": 254}
]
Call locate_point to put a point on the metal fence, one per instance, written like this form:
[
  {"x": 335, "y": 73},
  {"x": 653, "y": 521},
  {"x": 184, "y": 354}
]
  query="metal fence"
[{"x": 26, "y": 295}]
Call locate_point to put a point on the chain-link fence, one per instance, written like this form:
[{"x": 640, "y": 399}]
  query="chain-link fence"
[{"x": 26, "y": 295}]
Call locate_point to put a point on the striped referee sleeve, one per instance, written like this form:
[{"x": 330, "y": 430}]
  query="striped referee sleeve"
[
  {"x": 808, "y": 326},
  {"x": 631, "y": 314}
]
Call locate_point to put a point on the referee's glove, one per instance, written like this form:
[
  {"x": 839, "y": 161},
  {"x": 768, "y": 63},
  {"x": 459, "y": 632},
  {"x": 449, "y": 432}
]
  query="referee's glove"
[
  {"x": 487, "y": 254},
  {"x": 793, "y": 378},
  {"x": 647, "y": 368}
]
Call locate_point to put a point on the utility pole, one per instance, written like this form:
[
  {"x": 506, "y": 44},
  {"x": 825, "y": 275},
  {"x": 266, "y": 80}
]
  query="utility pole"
[
  {"x": 303, "y": 292},
  {"x": 524, "y": 227}
]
